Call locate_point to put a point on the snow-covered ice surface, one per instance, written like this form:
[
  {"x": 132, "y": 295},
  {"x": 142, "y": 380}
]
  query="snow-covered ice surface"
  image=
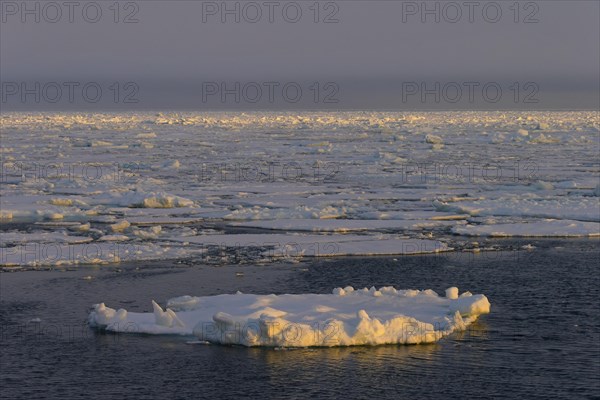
[
  {"x": 164, "y": 183},
  {"x": 347, "y": 317},
  {"x": 544, "y": 228}
]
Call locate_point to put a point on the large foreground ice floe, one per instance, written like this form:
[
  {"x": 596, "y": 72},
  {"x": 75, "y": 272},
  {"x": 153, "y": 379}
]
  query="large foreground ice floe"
[{"x": 347, "y": 317}]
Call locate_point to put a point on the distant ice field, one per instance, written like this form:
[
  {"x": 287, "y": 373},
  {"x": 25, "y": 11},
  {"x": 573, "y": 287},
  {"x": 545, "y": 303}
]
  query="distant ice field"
[{"x": 83, "y": 188}]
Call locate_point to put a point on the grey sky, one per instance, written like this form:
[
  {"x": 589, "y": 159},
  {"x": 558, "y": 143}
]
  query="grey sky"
[{"x": 371, "y": 56}]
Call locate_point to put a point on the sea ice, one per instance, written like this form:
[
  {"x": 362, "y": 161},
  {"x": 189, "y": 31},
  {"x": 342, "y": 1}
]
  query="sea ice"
[
  {"x": 415, "y": 174},
  {"x": 347, "y": 317},
  {"x": 310, "y": 245},
  {"x": 543, "y": 228}
]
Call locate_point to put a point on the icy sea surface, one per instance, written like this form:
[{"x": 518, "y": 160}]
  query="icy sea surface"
[
  {"x": 265, "y": 187},
  {"x": 539, "y": 342},
  {"x": 124, "y": 209}
]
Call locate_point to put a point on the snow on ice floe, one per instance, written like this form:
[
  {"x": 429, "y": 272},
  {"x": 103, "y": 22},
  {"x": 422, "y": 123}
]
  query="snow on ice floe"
[
  {"x": 13, "y": 238},
  {"x": 579, "y": 208},
  {"x": 146, "y": 200},
  {"x": 111, "y": 249},
  {"x": 544, "y": 228},
  {"x": 346, "y": 317}
]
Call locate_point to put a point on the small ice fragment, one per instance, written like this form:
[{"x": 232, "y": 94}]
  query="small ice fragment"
[
  {"x": 61, "y": 202},
  {"x": 80, "y": 228},
  {"x": 171, "y": 164},
  {"x": 541, "y": 185},
  {"x": 452, "y": 293},
  {"x": 121, "y": 314},
  {"x": 166, "y": 318},
  {"x": 113, "y": 238},
  {"x": 433, "y": 139},
  {"x": 471, "y": 305},
  {"x": 120, "y": 226}
]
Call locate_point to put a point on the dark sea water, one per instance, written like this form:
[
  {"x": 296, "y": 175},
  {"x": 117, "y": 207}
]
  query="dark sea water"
[{"x": 541, "y": 340}]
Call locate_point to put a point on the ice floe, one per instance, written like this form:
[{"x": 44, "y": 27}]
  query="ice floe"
[
  {"x": 544, "y": 228},
  {"x": 579, "y": 208},
  {"x": 306, "y": 245},
  {"x": 347, "y": 317},
  {"x": 345, "y": 225}
]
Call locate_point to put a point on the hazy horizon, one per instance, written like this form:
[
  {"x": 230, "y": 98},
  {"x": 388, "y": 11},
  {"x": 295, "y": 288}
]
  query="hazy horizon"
[{"x": 361, "y": 55}]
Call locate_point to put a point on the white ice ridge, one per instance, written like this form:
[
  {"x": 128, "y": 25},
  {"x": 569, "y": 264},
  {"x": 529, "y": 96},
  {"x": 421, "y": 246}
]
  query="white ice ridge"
[{"x": 347, "y": 317}]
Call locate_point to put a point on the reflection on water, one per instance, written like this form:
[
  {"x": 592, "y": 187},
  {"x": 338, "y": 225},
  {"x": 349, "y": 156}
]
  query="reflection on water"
[{"x": 363, "y": 357}]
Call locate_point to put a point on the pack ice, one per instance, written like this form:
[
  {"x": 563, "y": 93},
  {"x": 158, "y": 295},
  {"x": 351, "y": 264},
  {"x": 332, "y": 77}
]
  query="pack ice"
[
  {"x": 346, "y": 317},
  {"x": 88, "y": 188}
]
